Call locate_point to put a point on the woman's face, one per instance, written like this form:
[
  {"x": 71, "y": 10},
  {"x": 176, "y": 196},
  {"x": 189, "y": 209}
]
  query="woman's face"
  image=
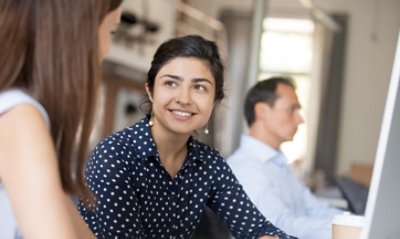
[
  {"x": 108, "y": 26},
  {"x": 183, "y": 96}
]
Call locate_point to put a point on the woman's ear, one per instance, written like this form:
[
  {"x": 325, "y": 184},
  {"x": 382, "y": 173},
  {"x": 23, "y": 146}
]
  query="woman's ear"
[
  {"x": 214, "y": 106},
  {"x": 148, "y": 92}
]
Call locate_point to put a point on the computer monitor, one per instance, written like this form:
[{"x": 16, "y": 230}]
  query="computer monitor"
[{"x": 383, "y": 206}]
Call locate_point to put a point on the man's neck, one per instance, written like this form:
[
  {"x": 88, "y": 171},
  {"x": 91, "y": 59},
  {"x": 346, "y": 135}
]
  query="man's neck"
[{"x": 266, "y": 138}]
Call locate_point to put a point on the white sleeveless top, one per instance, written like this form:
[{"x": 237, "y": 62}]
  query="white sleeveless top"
[{"x": 8, "y": 100}]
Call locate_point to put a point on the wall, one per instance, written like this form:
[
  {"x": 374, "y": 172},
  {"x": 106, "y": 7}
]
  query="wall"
[
  {"x": 162, "y": 13},
  {"x": 372, "y": 34}
]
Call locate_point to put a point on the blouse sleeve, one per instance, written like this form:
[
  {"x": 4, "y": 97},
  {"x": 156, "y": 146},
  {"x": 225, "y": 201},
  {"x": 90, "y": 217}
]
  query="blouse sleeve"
[
  {"x": 115, "y": 213},
  {"x": 231, "y": 203}
]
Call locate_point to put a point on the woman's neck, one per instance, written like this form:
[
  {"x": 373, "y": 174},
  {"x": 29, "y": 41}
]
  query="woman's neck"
[{"x": 172, "y": 149}]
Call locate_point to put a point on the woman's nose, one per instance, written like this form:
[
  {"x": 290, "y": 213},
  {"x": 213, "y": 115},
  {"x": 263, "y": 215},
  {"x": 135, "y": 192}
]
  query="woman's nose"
[{"x": 183, "y": 96}]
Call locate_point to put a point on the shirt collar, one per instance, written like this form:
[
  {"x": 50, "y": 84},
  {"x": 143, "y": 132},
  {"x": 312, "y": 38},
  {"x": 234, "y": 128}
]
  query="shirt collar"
[
  {"x": 196, "y": 150},
  {"x": 141, "y": 133},
  {"x": 262, "y": 151}
]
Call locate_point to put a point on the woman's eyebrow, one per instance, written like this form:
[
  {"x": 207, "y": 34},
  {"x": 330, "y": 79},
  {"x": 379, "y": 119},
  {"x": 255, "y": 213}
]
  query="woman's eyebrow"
[
  {"x": 172, "y": 76},
  {"x": 194, "y": 80},
  {"x": 197, "y": 80}
]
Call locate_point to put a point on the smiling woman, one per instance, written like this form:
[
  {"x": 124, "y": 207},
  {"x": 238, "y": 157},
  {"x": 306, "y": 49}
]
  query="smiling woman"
[
  {"x": 153, "y": 179},
  {"x": 183, "y": 97}
]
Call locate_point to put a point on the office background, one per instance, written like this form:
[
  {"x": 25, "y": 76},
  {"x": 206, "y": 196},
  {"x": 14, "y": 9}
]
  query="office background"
[{"x": 370, "y": 30}]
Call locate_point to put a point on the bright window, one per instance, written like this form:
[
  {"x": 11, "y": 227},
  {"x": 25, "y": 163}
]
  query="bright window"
[{"x": 287, "y": 49}]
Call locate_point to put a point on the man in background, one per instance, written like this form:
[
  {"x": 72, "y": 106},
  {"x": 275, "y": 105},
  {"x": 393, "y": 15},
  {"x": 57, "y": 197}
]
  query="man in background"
[{"x": 272, "y": 112}]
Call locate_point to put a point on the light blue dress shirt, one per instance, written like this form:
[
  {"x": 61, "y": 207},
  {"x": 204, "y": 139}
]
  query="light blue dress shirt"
[{"x": 277, "y": 193}]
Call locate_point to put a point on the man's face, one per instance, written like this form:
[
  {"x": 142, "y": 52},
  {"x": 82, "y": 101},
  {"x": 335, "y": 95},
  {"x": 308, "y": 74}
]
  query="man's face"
[{"x": 281, "y": 120}]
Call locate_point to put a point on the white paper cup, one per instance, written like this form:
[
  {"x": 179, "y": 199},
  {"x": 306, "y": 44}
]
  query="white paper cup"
[{"x": 347, "y": 226}]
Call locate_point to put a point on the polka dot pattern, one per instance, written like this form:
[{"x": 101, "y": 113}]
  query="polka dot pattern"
[{"x": 137, "y": 198}]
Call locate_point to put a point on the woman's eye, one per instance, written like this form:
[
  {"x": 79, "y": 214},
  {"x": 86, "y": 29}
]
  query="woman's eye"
[
  {"x": 170, "y": 83},
  {"x": 200, "y": 87}
]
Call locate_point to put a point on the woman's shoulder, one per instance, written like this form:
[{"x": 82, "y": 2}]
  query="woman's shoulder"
[
  {"x": 205, "y": 151},
  {"x": 120, "y": 139},
  {"x": 128, "y": 139}
]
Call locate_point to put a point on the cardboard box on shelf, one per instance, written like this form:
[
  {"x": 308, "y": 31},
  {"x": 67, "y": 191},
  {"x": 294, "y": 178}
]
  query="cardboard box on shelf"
[{"x": 361, "y": 173}]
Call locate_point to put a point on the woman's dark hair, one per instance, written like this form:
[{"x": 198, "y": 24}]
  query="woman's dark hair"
[
  {"x": 51, "y": 49},
  {"x": 188, "y": 46},
  {"x": 264, "y": 91}
]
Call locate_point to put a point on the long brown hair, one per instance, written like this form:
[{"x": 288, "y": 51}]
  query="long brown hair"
[{"x": 50, "y": 49}]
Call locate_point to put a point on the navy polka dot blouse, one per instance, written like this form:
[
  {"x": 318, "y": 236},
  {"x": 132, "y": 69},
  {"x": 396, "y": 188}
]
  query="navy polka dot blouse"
[{"x": 137, "y": 198}]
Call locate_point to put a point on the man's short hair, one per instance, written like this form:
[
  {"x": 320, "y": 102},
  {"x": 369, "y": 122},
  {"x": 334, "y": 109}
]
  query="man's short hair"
[{"x": 264, "y": 91}]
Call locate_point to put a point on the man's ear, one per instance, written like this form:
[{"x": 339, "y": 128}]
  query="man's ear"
[
  {"x": 261, "y": 110},
  {"x": 148, "y": 92}
]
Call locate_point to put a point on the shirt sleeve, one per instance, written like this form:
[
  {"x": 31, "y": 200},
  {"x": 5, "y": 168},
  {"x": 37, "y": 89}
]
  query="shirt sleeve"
[
  {"x": 316, "y": 222},
  {"x": 115, "y": 213},
  {"x": 302, "y": 226},
  {"x": 316, "y": 208},
  {"x": 231, "y": 203}
]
